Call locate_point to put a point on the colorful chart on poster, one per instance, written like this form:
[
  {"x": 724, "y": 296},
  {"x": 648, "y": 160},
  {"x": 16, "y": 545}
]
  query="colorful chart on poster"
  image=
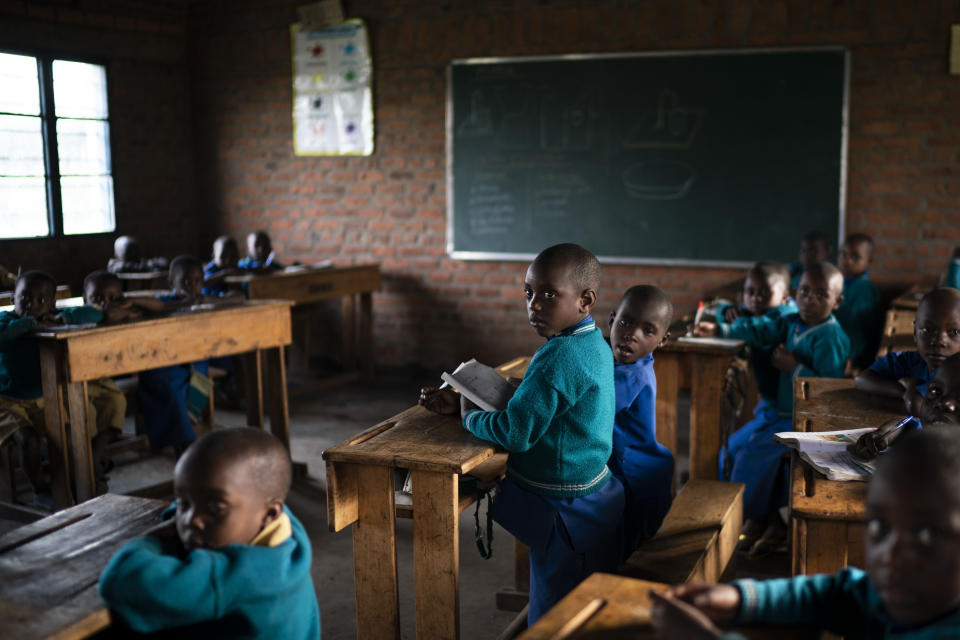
[{"x": 332, "y": 90}]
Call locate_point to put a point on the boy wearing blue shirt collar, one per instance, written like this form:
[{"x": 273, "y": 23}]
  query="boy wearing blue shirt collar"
[
  {"x": 559, "y": 497},
  {"x": 232, "y": 561},
  {"x": 910, "y": 590},
  {"x": 644, "y": 466},
  {"x": 906, "y": 374},
  {"x": 857, "y": 313},
  {"x": 260, "y": 255}
]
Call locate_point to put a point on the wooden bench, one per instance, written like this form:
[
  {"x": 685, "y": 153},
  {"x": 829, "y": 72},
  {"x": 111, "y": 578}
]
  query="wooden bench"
[
  {"x": 897, "y": 331},
  {"x": 697, "y": 538}
]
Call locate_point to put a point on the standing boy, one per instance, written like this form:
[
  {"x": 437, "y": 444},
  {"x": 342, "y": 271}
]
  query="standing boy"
[
  {"x": 857, "y": 313},
  {"x": 905, "y": 374},
  {"x": 644, "y": 466},
  {"x": 807, "y": 343},
  {"x": 559, "y": 497}
]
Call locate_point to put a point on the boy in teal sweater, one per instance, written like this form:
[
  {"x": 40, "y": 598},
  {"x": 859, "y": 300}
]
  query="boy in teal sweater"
[
  {"x": 231, "y": 561},
  {"x": 857, "y": 313},
  {"x": 910, "y": 590},
  {"x": 559, "y": 498}
]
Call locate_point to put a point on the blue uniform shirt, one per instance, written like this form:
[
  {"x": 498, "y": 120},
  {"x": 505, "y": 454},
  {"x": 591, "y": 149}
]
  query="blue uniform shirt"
[
  {"x": 905, "y": 364},
  {"x": 857, "y": 315}
]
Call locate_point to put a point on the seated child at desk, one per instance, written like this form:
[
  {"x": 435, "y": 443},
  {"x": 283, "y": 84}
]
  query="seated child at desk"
[
  {"x": 807, "y": 343},
  {"x": 103, "y": 288},
  {"x": 127, "y": 258},
  {"x": 21, "y": 391},
  {"x": 911, "y": 587},
  {"x": 226, "y": 254},
  {"x": 644, "y": 466},
  {"x": 814, "y": 248},
  {"x": 232, "y": 561},
  {"x": 559, "y": 497},
  {"x": 260, "y": 256},
  {"x": 905, "y": 374},
  {"x": 857, "y": 313}
]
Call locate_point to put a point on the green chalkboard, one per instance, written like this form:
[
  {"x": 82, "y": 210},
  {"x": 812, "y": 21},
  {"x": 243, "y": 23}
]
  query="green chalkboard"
[{"x": 710, "y": 158}]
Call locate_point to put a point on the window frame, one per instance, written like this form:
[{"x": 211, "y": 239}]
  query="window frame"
[{"x": 48, "y": 128}]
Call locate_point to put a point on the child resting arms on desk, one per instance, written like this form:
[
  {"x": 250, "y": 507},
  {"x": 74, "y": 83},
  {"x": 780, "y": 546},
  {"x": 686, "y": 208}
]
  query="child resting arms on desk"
[
  {"x": 232, "y": 561},
  {"x": 910, "y": 590}
]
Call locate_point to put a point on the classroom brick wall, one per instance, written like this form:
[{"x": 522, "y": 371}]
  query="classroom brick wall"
[
  {"x": 903, "y": 184},
  {"x": 144, "y": 47}
]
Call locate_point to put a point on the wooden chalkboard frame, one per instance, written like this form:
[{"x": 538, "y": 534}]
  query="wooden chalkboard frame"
[{"x": 453, "y": 252}]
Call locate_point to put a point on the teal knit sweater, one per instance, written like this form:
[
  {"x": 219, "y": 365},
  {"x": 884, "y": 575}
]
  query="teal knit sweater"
[{"x": 558, "y": 427}]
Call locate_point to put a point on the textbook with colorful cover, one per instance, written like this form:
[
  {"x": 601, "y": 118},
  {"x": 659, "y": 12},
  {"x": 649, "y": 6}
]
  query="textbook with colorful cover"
[
  {"x": 826, "y": 451},
  {"x": 481, "y": 384}
]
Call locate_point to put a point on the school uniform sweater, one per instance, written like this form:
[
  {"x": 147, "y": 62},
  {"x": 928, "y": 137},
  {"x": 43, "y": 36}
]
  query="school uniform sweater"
[
  {"x": 845, "y": 604},
  {"x": 905, "y": 364},
  {"x": 239, "y": 591},
  {"x": 766, "y": 375},
  {"x": 857, "y": 315},
  {"x": 20, "y": 356},
  {"x": 821, "y": 350},
  {"x": 558, "y": 426}
]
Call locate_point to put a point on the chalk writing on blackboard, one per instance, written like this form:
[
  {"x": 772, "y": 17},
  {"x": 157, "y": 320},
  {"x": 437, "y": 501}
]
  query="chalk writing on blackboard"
[
  {"x": 669, "y": 126},
  {"x": 479, "y": 121},
  {"x": 492, "y": 210},
  {"x": 568, "y": 123},
  {"x": 552, "y": 193}
]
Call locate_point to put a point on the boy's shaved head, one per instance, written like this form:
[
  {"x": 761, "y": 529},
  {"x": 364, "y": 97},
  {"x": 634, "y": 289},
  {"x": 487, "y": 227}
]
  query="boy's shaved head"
[
  {"x": 126, "y": 248},
  {"x": 771, "y": 271},
  {"x": 182, "y": 264},
  {"x": 830, "y": 274},
  {"x": 582, "y": 265},
  {"x": 647, "y": 296},
  {"x": 34, "y": 278},
  {"x": 941, "y": 298},
  {"x": 929, "y": 457},
  {"x": 98, "y": 279},
  {"x": 266, "y": 460}
]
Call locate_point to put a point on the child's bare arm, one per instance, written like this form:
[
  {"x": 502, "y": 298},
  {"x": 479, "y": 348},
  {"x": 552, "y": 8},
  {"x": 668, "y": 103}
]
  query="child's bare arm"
[
  {"x": 706, "y": 329},
  {"x": 872, "y": 382},
  {"x": 690, "y": 611},
  {"x": 783, "y": 359},
  {"x": 444, "y": 401},
  {"x": 114, "y": 312},
  {"x": 153, "y": 305}
]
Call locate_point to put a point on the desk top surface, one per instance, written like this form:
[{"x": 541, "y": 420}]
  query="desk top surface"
[
  {"x": 826, "y": 404},
  {"x": 419, "y": 439},
  {"x": 703, "y": 346},
  {"x": 49, "y": 569},
  {"x": 910, "y": 299},
  {"x": 305, "y": 272}
]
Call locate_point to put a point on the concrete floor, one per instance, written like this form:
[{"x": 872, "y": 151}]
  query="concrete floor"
[{"x": 319, "y": 420}]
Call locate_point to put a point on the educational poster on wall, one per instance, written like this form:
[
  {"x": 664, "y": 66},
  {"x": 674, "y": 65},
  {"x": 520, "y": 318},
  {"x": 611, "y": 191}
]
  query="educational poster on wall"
[{"x": 332, "y": 90}]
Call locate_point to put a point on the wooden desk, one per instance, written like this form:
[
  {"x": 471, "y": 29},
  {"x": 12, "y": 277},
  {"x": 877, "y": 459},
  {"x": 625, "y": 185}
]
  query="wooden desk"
[
  {"x": 49, "y": 569},
  {"x": 827, "y": 517},
  {"x": 315, "y": 285},
  {"x": 910, "y": 299},
  {"x": 699, "y": 367},
  {"x": 143, "y": 280},
  {"x": 71, "y": 358},
  {"x": 360, "y": 491}
]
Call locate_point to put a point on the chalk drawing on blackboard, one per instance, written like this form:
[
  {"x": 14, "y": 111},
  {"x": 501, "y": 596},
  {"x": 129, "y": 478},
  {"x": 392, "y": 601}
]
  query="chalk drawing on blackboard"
[
  {"x": 659, "y": 180},
  {"x": 517, "y": 124},
  {"x": 479, "y": 121},
  {"x": 492, "y": 210},
  {"x": 669, "y": 126},
  {"x": 567, "y": 124}
]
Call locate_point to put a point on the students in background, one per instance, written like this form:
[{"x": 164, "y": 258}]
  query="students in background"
[
  {"x": 559, "y": 497},
  {"x": 906, "y": 374},
  {"x": 645, "y": 467},
  {"x": 128, "y": 258},
  {"x": 232, "y": 560},
  {"x": 260, "y": 256},
  {"x": 807, "y": 343},
  {"x": 226, "y": 255},
  {"x": 103, "y": 288},
  {"x": 910, "y": 589},
  {"x": 858, "y": 314},
  {"x": 815, "y": 247}
]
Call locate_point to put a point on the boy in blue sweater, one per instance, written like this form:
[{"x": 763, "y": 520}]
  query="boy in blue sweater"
[
  {"x": 260, "y": 255},
  {"x": 910, "y": 590},
  {"x": 644, "y": 466},
  {"x": 906, "y": 374},
  {"x": 21, "y": 391},
  {"x": 559, "y": 497},
  {"x": 814, "y": 248},
  {"x": 226, "y": 255},
  {"x": 807, "y": 343},
  {"x": 857, "y": 313},
  {"x": 231, "y": 561}
]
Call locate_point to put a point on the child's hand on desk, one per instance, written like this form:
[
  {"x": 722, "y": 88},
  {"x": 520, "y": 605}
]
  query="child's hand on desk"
[
  {"x": 119, "y": 311},
  {"x": 50, "y": 319},
  {"x": 706, "y": 329},
  {"x": 782, "y": 359},
  {"x": 732, "y": 313},
  {"x": 911, "y": 397},
  {"x": 443, "y": 401},
  {"x": 675, "y": 618}
]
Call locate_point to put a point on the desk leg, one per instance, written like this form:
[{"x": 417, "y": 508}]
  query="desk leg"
[
  {"x": 375, "y": 555},
  {"x": 55, "y": 426},
  {"x": 706, "y": 404},
  {"x": 253, "y": 387},
  {"x": 667, "y": 368},
  {"x": 436, "y": 554},
  {"x": 820, "y": 546},
  {"x": 365, "y": 335},
  {"x": 277, "y": 381},
  {"x": 348, "y": 318},
  {"x": 84, "y": 484}
]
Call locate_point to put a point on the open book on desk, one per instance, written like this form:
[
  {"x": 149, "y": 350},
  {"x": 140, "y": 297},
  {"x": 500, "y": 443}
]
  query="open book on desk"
[
  {"x": 481, "y": 384},
  {"x": 826, "y": 451}
]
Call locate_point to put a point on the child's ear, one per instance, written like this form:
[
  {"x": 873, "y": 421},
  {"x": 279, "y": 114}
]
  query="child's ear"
[
  {"x": 838, "y": 303},
  {"x": 273, "y": 511},
  {"x": 663, "y": 340},
  {"x": 587, "y": 299}
]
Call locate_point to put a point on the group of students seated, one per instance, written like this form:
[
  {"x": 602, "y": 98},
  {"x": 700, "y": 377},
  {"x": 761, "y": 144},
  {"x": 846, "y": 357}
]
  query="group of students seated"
[
  {"x": 171, "y": 399},
  {"x": 587, "y": 481}
]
